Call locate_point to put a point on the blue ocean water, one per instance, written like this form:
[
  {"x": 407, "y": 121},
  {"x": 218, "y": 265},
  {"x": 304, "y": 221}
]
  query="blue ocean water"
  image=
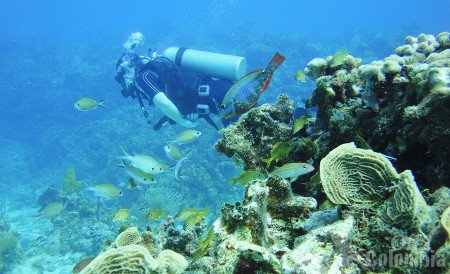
[{"x": 55, "y": 52}]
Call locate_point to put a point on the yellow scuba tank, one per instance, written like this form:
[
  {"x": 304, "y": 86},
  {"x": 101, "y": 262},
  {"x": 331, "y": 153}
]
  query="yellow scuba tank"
[{"x": 216, "y": 65}]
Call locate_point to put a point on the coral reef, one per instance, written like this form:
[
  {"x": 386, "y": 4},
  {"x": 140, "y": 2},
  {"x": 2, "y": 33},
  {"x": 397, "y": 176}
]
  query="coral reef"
[
  {"x": 131, "y": 236},
  {"x": 392, "y": 204},
  {"x": 260, "y": 127},
  {"x": 399, "y": 105},
  {"x": 124, "y": 259},
  {"x": 356, "y": 177},
  {"x": 130, "y": 257}
]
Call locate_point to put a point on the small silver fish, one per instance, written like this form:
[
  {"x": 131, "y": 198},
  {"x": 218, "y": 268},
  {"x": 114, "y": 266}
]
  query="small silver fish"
[
  {"x": 177, "y": 171},
  {"x": 293, "y": 170},
  {"x": 173, "y": 152}
]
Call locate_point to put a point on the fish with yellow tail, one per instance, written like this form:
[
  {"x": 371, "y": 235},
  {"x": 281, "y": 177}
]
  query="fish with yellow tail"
[
  {"x": 245, "y": 93},
  {"x": 86, "y": 104},
  {"x": 51, "y": 211},
  {"x": 122, "y": 215},
  {"x": 108, "y": 191},
  {"x": 293, "y": 170}
]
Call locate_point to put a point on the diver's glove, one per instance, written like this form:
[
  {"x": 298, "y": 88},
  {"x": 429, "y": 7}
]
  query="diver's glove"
[
  {"x": 192, "y": 116},
  {"x": 170, "y": 110}
]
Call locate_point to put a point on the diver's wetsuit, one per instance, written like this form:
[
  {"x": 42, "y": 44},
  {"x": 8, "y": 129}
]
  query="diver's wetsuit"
[{"x": 181, "y": 87}]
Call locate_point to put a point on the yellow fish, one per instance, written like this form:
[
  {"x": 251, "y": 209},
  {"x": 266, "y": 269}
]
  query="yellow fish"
[
  {"x": 279, "y": 150},
  {"x": 51, "y": 210},
  {"x": 191, "y": 216},
  {"x": 108, "y": 191},
  {"x": 86, "y": 104},
  {"x": 173, "y": 152},
  {"x": 187, "y": 136},
  {"x": 138, "y": 175},
  {"x": 122, "y": 215},
  {"x": 145, "y": 163},
  {"x": 300, "y": 123},
  {"x": 204, "y": 245},
  {"x": 247, "y": 176},
  {"x": 300, "y": 76},
  {"x": 155, "y": 214},
  {"x": 338, "y": 58}
]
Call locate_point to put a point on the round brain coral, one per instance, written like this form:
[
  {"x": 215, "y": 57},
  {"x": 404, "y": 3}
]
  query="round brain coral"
[
  {"x": 356, "y": 177},
  {"x": 129, "y": 237},
  {"x": 124, "y": 259}
]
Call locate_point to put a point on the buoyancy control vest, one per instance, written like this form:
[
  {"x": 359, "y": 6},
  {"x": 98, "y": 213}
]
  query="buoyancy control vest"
[{"x": 184, "y": 87}]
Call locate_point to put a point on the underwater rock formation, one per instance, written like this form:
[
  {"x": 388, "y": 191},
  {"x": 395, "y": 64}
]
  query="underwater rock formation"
[
  {"x": 394, "y": 209},
  {"x": 259, "y": 128},
  {"x": 399, "y": 105},
  {"x": 132, "y": 254}
]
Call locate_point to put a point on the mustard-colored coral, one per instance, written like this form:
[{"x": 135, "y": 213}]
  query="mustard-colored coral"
[
  {"x": 130, "y": 236},
  {"x": 171, "y": 262},
  {"x": 356, "y": 177},
  {"x": 124, "y": 259}
]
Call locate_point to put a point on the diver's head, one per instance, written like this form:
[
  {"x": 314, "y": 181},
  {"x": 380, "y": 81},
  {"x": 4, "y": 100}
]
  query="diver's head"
[{"x": 134, "y": 39}]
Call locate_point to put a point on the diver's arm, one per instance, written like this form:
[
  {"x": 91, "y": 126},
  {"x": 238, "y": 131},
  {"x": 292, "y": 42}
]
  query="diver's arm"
[{"x": 166, "y": 106}]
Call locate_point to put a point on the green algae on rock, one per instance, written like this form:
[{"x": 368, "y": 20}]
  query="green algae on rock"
[{"x": 260, "y": 127}]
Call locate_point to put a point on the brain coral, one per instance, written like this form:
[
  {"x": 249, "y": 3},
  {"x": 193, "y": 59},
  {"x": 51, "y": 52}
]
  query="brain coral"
[
  {"x": 128, "y": 237},
  {"x": 407, "y": 207},
  {"x": 171, "y": 262},
  {"x": 356, "y": 177},
  {"x": 124, "y": 259}
]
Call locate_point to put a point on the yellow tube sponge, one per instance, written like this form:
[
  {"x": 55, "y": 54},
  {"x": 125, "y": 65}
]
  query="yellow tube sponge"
[
  {"x": 171, "y": 262},
  {"x": 124, "y": 259},
  {"x": 131, "y": 236},
  {"x": 356, "y": 177}
]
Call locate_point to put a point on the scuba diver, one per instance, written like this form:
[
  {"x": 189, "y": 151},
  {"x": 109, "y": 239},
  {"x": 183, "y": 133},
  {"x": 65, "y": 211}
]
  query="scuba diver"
[{"x": 183, "y": 95}]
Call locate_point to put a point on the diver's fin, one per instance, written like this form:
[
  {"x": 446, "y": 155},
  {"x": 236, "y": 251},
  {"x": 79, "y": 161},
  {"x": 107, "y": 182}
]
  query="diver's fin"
[{"x": 160, "y": 123}]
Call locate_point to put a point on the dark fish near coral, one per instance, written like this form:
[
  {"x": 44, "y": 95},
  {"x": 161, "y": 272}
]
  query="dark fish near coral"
[
  {"x": 81, "y": 265},
  {"x": 245, "y": 93}
]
